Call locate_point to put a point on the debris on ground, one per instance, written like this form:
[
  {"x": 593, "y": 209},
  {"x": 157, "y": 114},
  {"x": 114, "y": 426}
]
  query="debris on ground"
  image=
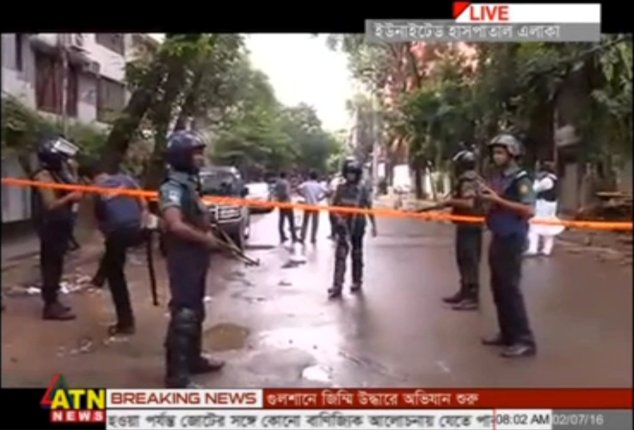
[
  {"x": 84, "y": 346},
  {"x": 71, "y": 284}
]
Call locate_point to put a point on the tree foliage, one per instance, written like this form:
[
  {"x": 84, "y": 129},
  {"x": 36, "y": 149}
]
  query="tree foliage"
[
  {"x": 193, "y": 81},
  {"x": 447, "y": 96}
]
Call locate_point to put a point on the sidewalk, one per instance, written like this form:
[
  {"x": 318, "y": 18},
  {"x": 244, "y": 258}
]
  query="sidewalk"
[
  {"x": 17, "y": 245},
  {"x": 22, "y": 244},
  {"x": 408, "y": 202}
]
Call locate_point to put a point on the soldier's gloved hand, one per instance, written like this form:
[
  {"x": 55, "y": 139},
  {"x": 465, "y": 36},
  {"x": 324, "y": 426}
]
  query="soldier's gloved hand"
[{"x": 374, "y": 231}]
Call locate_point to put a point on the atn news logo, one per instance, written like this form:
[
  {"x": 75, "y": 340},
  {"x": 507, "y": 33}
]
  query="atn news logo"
[{"x": 74, "y": 405}]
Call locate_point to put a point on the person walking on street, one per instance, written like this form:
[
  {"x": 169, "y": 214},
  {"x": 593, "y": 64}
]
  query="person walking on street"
[
  {"x": 468, "y": 242},
  {"x": 313, "y": 192},
  {"x": 510, "y": 194},
  {"x": 53, "y": 216},
  {"x": 188, "y": 244},
  {"x": 350, "y": 229},
  {"x": 545, "y": 188},
  {"x": 282, "y": 191},
  {"x": 121, "y": 220}
]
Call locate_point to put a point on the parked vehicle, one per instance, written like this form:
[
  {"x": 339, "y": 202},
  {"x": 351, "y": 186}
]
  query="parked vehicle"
[
  {"x": 260, "y": 191},
  {"x": 235, "y": 220}
]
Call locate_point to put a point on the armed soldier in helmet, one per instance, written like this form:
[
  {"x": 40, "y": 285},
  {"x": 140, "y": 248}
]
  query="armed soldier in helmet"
[
  {"x": 468, "y": 242},
  {"x": 511, "y": 196},
  {"x": 350, "y": 229},
  {"x": 53, "y": 216},
  {"x": 188, "y": 242}
]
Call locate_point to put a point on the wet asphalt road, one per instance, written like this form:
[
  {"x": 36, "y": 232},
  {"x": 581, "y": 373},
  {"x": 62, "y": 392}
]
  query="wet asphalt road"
[{"x": 275, "y": 326}]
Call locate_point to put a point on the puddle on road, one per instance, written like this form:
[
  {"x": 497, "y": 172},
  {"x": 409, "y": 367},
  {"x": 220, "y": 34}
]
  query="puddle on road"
[
  {"x": 317, "y": 374},
  {"x": 226, "y": 337}
]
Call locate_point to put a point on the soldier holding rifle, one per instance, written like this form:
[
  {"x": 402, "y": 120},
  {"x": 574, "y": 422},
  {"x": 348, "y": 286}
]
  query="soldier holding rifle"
[
  {"x": 468, "y": 242},
  {"x": 188, "y": 243},
  {"x": 350, "y": 228}
]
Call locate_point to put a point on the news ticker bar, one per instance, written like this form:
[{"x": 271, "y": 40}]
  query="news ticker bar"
[
  {"x": 371, "y": 398},
  {"x": 498, "y": 419},
  {"x": 382, "y": 31}
]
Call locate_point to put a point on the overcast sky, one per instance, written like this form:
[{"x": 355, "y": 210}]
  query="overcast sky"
[{"x": 302, "y": 69}]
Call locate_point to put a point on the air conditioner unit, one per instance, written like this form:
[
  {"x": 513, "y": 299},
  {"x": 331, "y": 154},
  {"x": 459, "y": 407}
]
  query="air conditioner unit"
[{"x": 77, "y": 40}]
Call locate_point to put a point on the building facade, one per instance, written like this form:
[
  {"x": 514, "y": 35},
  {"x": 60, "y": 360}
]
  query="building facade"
[
  {"x": 33, "y": 70},
  {"x": 45, "y": 71}
]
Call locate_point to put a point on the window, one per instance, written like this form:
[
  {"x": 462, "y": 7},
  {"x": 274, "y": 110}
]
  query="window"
[
  {"x": 112, "y": 41},
  {"x": 110, "y": 99},
  {"x": 19, "y": 59},
  {"x": 48, "y": 86}
]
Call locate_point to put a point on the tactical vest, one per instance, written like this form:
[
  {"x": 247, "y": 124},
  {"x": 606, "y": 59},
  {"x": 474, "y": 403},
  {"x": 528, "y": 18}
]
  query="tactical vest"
[
  {"x": 551, "y": 194},
  {"x": 352, "y": 196},
  {"x": 190, "y": 208},
  {"x": 40, "y": 215},
  {"x": 505, "y": 222},
  {"x": 467, "y": 177}
]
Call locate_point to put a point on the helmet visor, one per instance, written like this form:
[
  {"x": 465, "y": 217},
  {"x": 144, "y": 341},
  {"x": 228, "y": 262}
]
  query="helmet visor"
[{"x": 64, "y": 147}]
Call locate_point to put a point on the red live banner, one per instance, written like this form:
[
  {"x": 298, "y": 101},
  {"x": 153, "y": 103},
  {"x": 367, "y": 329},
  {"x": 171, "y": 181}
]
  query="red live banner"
[{"x": 609, "y": 398}]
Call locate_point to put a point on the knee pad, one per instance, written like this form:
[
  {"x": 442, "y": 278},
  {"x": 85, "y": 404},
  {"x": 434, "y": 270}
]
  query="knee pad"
[{"x": 185, "y": 320}]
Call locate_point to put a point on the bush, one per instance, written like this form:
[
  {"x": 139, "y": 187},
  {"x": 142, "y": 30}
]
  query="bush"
[{"x": 24, "y": 128}]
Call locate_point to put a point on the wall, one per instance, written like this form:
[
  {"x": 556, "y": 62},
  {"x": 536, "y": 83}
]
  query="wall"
[
  {"x": 18, "y": 83},
  {"x": 16, "y": 201},
  {"x": 624, "y": 178},
  {"x": 22, "y": 84},
  {"x": 112, "y": 64}
]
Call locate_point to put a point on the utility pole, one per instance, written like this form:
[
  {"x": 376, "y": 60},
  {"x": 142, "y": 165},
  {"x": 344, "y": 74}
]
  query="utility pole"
[
  {"x": 376, "y": 144},
  {"x": 64, "y": 43}
]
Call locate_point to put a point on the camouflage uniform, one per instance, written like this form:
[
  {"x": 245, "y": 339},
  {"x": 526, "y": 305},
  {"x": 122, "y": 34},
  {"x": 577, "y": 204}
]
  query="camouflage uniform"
[
  {"x": 350, "y": 230},
  {"x": 468, "y": 242}
]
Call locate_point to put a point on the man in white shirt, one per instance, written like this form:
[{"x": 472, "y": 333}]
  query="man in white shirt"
[
  {"x": 313, "y": 192},
  {"x": 545, "y": 187}
]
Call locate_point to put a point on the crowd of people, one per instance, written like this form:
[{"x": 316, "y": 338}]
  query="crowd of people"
[{"x": 508, "y": 200}]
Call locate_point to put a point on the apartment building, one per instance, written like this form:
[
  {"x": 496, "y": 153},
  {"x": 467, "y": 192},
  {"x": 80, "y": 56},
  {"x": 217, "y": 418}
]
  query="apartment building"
[{"x": 95, "y": 90}]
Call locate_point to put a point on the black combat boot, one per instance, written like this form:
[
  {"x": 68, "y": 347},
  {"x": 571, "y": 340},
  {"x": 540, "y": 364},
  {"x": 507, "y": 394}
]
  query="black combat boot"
[
  {"x": 470, "y": 300},
  {"x": 496, "y": 340},
  {"x": 458, "y": 297},
  {"x": 178, "y": 345},
  {"x": 334, "y": 292},
  {"x": 121, "y": 329},
  {"x": 198, "y": 364},
  {"x": 57, "y": 312},
  {"x": 519, "y": 350}
]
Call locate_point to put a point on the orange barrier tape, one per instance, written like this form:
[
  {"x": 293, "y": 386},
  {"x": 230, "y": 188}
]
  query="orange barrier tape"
[{"x": 426, "y": 216}]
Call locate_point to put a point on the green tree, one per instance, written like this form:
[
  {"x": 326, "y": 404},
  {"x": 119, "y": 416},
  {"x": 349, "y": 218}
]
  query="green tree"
[
  {"x": 313, "y": 145},
  {"x": 251, "y": 136},
  {"x": 23, "y": 129}
]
